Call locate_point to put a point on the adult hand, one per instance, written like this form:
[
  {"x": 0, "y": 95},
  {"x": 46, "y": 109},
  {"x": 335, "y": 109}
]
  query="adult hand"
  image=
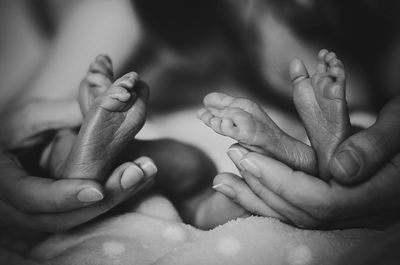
[
  {"x": 25, "y": 126},
  {"x": 307, "y": 201},
  {"x": 58, "y": 205},
  {"x": 11, "y": 258},
  {"x": 362, "y": 154},
  {"x": 370, "y": 158}
]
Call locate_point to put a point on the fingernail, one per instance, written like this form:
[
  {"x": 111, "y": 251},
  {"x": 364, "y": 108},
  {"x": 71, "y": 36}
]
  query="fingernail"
[
  {"x": 149, "y": 168},
  {"x": 236, "y": 155},
  {"x": 131, "y": 176},
  {"x": 250, "y": 167},
  {"x": 226, "y": 190},
  {"x": 347, "y": 164},
  {"x": 90, "y": 195}
]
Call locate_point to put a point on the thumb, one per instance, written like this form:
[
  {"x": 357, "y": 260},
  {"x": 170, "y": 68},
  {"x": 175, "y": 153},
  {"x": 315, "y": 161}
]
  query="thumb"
[{"x": 361, "y": 155}]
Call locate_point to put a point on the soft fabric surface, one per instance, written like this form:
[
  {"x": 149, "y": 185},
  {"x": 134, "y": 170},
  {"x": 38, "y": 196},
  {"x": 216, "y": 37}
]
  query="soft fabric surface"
[{"x": 138, "y": 238}]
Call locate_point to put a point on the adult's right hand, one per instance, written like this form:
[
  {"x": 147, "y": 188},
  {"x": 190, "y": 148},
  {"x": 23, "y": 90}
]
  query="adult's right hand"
[
  {"x": 58, "y": 205},
  {"x": 364, "y": 153}
]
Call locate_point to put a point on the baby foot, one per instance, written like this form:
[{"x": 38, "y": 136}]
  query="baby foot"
[
  {"x": 247, "y": 123},
  {"x": 112, "y": 121},
  {"x": 98, "y": 78},
  {"x": 321, "y": 104}
]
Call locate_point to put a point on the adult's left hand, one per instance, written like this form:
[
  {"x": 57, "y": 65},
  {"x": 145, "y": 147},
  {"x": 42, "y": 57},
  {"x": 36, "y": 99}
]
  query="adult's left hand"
[
  {"x": 50, "y": 205},
  {"x": 24, "y": 126}
]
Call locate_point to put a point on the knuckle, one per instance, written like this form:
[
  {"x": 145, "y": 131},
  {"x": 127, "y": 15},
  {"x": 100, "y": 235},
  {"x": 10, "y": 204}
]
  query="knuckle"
[
  {"x": 259, "y": 189},
  {"x": 376, "y": 144},
  {"x": 280, "y": 191},
  {"x": 18, "y": 201}
]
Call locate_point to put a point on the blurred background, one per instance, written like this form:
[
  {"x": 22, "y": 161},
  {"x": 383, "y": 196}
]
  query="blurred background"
[{"x": 185, "y": 49}]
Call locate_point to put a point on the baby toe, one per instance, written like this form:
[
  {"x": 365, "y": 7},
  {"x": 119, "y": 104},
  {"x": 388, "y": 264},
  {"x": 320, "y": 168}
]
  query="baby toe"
[
  {"x": 217, "y": 100},
  {"x": 227, "y": 127},
  {"x": 104, "y": 59},
  {"x": 321, "y": 65},
  {"x": 118, "y": 92},
  {"x": 322, "y": 53},
  {"x": 116, "y": 99},
  {"x": 298, "y": 71},
  {"x": 216, "y": 124},
  {"x": 98, "y": 66},
  {"x": 336, "y": 69},
  {"x": 205, "y": 116},
  {"x": 97, "y": 79},
  {"x": 336, "y": 63},
  {"x": 127, "y": 81},
  {"x": 245, "y": 105},
  {"x": 330, "y": 56}
]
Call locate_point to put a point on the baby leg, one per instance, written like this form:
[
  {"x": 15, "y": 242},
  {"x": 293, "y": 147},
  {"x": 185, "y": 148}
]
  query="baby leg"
[
  {"x": 98, "y": 78},
  {"x": 112, "y": 120},
  {"x": 247, "y": 123},
  {"x": 321, "y": 103}
]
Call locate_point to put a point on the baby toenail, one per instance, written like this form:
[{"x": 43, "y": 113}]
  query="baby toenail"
[{"x": 131, "y": 176}]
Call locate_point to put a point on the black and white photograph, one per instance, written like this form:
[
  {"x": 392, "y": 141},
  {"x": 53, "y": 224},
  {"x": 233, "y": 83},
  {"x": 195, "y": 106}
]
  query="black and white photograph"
[{"x": 199, "y": 132}]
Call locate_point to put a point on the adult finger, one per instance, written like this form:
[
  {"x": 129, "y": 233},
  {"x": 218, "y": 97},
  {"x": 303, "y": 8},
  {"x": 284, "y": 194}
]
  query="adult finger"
[
  {"x": 236, "y": 153},
  {"x": 140, "y": 175},
  {"x": 361, "y": 155},
  {"x": 375, "y": 196},
  {"x": 288, "y": 210},
  {"x": 237, "y": 190},
  {"x": 36, "y": 194},
  {"x": 283, "y": 209},
  {"x": 307, "y": 193},
  {"x": 11, "y": 258}
]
